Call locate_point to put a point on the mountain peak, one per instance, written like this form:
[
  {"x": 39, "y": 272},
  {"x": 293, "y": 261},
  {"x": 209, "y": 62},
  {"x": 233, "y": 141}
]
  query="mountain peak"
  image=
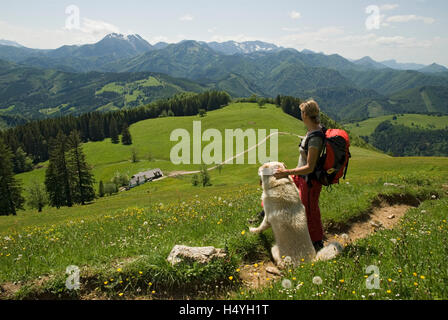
[
  {"x": 434, "y": 68},
  {"x": 120, "y": 36},
  {"x": 368, "y": 62},
  {"x": 10, "y": 43},
  {"x": 246, "y": 47}
]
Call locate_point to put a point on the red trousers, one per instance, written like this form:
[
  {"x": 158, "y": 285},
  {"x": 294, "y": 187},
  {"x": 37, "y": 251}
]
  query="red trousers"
[{"x": 310, "y": 199}]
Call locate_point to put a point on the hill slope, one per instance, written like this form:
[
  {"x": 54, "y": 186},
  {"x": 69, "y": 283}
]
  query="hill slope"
[{"x": 35, "y": 93}]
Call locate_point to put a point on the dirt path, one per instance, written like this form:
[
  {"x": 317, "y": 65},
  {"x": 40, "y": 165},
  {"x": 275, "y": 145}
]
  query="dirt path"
[
  {"x": 182, "y": 173},
  {"x": 262, "y": 273}
]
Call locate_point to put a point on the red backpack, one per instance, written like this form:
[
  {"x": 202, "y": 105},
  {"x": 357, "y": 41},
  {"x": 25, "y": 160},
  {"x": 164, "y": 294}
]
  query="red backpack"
[{"x": 333, "y": 161}]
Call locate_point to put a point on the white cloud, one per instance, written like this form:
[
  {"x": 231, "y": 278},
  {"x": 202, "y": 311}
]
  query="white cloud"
[
  {"x": 295, "y": 15},
  {"x": 310, "y": 38},
  {"x": 410, "y": 17},
  {"x": 187, "y": 17},
  {"x": 388, "y": 7},
  {"x": 157, "y": 39},
  {"x": 89, "y": 31},
  {"x": 236, "y": 37},
  {"x": 291, "y": 29},
  {"x": 98, "y": 27},
  {"x": 373, "y": 40},
  {"x": 211, "y": 30}
]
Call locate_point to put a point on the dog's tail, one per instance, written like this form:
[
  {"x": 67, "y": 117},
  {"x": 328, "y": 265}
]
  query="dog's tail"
[{"x": 329, "y": 252}]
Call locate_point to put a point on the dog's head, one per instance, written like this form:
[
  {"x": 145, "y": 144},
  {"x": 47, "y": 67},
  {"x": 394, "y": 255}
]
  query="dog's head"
[{"x": 266, "y": 173}]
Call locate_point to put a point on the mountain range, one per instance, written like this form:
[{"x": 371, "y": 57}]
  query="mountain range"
[{"x": 348, "y": 90}]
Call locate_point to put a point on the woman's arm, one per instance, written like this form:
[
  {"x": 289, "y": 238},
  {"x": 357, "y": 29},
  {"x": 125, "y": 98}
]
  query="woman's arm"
[{"x": 307, "y": 169}]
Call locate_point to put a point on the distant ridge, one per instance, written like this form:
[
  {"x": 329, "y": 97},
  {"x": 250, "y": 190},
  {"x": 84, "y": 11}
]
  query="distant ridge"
[
  {"x": 10, "y": 43},
  {"x": 433, "y": 68},
  {"x": 370, "y": 63},
  {"x": 402, "y": 66}
]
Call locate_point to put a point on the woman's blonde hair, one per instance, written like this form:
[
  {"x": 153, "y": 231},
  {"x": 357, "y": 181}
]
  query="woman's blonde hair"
[{"x": 311, "y": 109}]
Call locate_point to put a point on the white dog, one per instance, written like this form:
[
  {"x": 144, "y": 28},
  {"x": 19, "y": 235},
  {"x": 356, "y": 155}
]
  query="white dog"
[{"x": 285, "y": 213}]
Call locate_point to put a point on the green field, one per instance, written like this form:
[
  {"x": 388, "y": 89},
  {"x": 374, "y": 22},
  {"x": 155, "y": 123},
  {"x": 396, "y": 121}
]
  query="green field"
[
  {"x": 121, "y": 242},
  {"x": 131, "y": 90},
  {"x": 367, "y": 127}
]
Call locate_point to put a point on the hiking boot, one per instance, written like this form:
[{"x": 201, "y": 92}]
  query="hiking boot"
[{"x": 318, "y": 245}]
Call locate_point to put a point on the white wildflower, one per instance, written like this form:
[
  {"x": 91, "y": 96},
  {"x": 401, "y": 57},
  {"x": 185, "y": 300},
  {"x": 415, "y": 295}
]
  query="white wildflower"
[
  {"x": 287, "y": 284},
  {"x": 317, "y": 280}
]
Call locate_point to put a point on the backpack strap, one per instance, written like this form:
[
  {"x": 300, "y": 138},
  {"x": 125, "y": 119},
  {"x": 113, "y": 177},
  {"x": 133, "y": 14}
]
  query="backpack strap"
[
  {"x": 320, "y": 133},
  {"x": 346, "y": 167}
]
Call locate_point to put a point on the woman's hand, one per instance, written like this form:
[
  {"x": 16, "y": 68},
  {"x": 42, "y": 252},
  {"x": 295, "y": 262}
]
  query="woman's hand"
[{"x": 281, "y": 173}]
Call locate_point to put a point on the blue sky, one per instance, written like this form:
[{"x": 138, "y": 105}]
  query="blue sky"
[{"x": 405, "y": 30}]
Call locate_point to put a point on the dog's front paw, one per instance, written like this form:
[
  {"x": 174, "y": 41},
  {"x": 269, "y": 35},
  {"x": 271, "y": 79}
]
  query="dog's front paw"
[{"x": 254, "y": 230}]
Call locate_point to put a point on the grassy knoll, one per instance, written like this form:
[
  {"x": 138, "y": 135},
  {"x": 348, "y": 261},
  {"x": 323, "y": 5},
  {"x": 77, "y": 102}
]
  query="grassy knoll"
[
  {"x": 121, "y": 242},
  {"x": 367, "y": 127},
  {"x": 411, "y": 261}
]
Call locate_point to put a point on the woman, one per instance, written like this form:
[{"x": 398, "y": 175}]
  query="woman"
[{"x": 309, "y": 190}]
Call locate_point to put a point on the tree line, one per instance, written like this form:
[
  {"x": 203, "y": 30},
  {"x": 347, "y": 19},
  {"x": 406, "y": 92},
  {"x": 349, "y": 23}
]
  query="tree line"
[
  {"x": 400, "y": 140},
  {"x": 68, "y": 178},
  {"x": 29, "y": 143}
]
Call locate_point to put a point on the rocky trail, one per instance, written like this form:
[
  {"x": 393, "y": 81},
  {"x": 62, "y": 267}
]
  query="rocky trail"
[{"x": 383, "y": 216}]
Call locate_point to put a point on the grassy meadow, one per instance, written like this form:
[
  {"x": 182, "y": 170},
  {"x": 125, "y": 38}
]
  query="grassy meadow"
[
  {"x": 367, "y": 127},
  {"x": 121, "y": 242}
]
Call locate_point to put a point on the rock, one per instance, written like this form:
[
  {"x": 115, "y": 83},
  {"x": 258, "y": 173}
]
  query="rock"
[
  {"x": 200, "y": 254},
  {"x": 391, "y": 216},
  {"x": 376, "y": 224},
  {"x": 273, "y": 270},
  {"x": 433, "y": 197}
]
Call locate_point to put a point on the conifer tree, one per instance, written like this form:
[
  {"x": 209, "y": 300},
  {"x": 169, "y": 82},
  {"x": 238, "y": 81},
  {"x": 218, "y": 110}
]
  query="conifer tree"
[
  {"x": 101, "y": 189},
  {"x": 10, "y": 190},
  {"x": 96, "y": 132},
  {"x": 278, "y": 101},
  {"x": 113, "y": 131},
  {"x": 57, "y": 176},
  {"x": 126, "y": 137},
  {"x": 81, "y": 178}
]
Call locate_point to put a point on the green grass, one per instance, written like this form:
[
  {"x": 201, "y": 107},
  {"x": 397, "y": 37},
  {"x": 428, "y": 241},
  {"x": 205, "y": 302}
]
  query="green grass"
[
  {"x": 146, "y": 222},
  {"x": 367, "y": 127},
  {"x": 411, "y": 261},
  {"x": 131, "y": 90}
]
